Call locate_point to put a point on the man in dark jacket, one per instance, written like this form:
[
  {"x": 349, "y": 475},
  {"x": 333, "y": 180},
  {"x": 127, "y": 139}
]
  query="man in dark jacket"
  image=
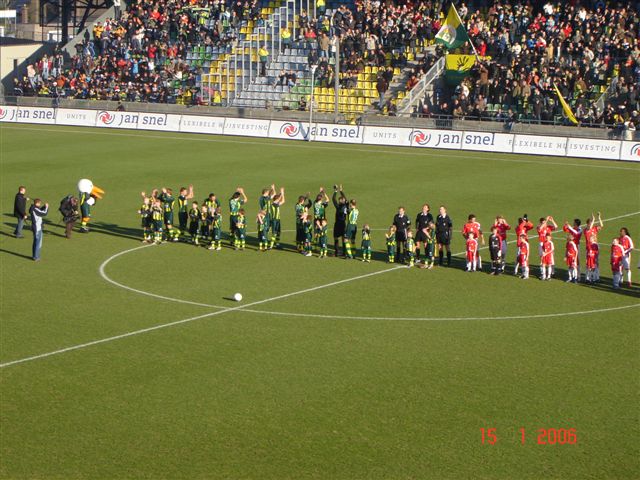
[
  {"x": 20, "y": 210},
  {"x": 402, "y": 224},
  {"x": 423, "y": 219}
]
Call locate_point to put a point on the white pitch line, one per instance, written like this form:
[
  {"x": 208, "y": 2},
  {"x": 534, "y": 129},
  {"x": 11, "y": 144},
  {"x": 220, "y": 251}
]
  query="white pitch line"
[
  {"x": 424, "y": 152},
  {"x": 444, "y": 319},
  {"x": 101, "y": 270},
  {"x": 191, "y": 319}
]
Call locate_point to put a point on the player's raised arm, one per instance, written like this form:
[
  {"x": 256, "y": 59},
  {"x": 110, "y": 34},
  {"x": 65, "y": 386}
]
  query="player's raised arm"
[{"x": 242, "y": 194}]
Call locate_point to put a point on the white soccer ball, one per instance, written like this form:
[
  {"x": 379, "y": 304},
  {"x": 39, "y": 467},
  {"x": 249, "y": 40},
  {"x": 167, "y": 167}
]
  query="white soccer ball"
[{"x": 237, "y": 297}]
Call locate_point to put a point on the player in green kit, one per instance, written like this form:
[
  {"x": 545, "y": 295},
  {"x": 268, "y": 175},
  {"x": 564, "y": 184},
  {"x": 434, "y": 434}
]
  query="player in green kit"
[
  {"x": 157, "y": 217},
  {"x": 276, "y": 227},
  {"x": 166, "y": 197},
  {"x": 235, "y": 204},
  {"x": 320, "y": 205},
  {"x": 145, "y": 218},
  {"x": 322, "y": 229},
  {"x": 391, "y": 243},
  {"x": 183, "y": 208},
  {"x": 203, "y": 223},
  {"x": 264, "y": 204},
  {"x": 240, "y": 230},
  {"x": 194, "y": 223},
  {"x": 263, "y": 230},
  {"x": 307, "y": 228},
  {"x": 211, "y": 202},
  {"x": 215, "y": 219},
  {"x": 411, "y": 248},
  {"x": 366, "y": 243},
  {"x": 352, "y": 228},
  {"x": 301, "y": 208},
  {"x": 430, "y": 245}
]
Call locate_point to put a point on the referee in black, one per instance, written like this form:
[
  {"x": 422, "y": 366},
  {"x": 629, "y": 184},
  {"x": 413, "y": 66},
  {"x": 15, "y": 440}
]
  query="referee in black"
[
  {"x": 342, "y": 211},
  {"x": 444, "y": 227},
  {"x": 423, "y": 219},
  {"x": 402, "y": 224}
]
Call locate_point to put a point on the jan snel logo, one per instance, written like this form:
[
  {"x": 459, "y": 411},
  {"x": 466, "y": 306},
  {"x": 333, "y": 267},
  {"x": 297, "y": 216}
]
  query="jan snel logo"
[
  {"x": 106, "y": 117},
  {"x": 290, "y": 130},
  {"x": 419, "y": 137}
]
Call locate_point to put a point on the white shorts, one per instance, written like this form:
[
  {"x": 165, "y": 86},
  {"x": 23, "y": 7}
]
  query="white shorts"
[{"x": 626, "y": 261}]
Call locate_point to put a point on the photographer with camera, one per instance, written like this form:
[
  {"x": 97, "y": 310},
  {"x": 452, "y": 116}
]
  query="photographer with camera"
[
  {"x": 36, "y": 212},
  {"x": 70, "y": 213}
]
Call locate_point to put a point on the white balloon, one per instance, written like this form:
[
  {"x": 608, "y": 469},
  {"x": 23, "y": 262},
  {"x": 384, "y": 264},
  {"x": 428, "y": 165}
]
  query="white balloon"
[{"x": 85, "y": 185}]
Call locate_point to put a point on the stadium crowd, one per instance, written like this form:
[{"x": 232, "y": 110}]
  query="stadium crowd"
[
  {"x": 524, "y": 48},
  {"x": 142, "y": 56}
]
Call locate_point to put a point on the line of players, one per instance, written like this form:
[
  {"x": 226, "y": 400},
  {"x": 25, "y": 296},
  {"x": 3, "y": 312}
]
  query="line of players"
[
  {"x": 204, "y": 224},
  {"x": 621, "y": 248}
]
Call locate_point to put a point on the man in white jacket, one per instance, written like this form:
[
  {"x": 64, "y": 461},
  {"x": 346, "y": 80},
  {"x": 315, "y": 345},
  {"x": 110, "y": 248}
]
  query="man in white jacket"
[{"x": 37, "y": 212}]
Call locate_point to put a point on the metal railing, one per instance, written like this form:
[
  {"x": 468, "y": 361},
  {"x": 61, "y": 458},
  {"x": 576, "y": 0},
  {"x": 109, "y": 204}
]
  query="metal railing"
[{"x": 416, "y": 94}]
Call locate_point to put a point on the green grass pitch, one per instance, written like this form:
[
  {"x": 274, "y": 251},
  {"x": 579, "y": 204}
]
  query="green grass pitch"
[{"x": 372, "y": 372}]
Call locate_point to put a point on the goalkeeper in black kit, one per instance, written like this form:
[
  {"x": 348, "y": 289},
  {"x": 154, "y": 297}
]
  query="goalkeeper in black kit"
[
  {"x": 495, "y": 250},
  {"x": 339, "y": 227}
]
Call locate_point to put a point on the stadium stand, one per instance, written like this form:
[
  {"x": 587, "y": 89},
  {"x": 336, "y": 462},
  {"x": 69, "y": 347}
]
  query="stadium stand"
[{"x": 258, "y": 54}]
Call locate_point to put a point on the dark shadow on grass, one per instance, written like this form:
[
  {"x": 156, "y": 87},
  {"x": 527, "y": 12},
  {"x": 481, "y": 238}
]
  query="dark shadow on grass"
[
  {"x": 16, "y": 254},
  {"x": 116, "y": 230},
  {"x": 11, "y": 235}
]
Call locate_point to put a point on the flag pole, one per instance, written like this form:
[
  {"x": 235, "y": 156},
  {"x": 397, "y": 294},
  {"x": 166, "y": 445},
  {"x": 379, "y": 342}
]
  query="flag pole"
[{"x": 462, "y": 23}]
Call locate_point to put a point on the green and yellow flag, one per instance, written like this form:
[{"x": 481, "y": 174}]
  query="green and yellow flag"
[
  {"x": 452, "y": 34},
  {"x": 567, "y": 109},
  {"x": 458, "y": 67}
]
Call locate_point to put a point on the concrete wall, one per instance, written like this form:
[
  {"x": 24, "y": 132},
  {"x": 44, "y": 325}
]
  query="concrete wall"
[{"x": 9, "y": 53}]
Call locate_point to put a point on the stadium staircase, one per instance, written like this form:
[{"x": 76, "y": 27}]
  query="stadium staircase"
[{"x": 264, "y": 91}]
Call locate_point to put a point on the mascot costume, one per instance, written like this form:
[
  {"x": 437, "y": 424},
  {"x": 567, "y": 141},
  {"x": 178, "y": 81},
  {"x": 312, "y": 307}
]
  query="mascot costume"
[{"x": 89, "y": 193}]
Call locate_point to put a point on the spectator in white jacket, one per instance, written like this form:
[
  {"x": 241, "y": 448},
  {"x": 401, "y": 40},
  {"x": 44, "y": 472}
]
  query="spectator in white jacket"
[{"x": 37, "y": 212}]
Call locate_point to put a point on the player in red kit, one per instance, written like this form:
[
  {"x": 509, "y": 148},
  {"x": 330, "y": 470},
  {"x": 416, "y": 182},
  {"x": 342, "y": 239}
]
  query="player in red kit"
[
  {"x": 547, "y": 258},
  {"x": 593, "y": 261},
  {"x": 575, "y": 231},
  {"x": 472, "y": 226},
  {"x": 627, "y": 247},
  {"x": 502, "y": 226},
  {"x": 524, "y": 225},
  {"x": 591, "y": 230},
  {"x": 472, "y": 252},
  {"x": 545, "y": 227},
  {"x": 523, "y": 255},
  {"x": 617, "y": 255},
  {"x": 571, "y": 257}
]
